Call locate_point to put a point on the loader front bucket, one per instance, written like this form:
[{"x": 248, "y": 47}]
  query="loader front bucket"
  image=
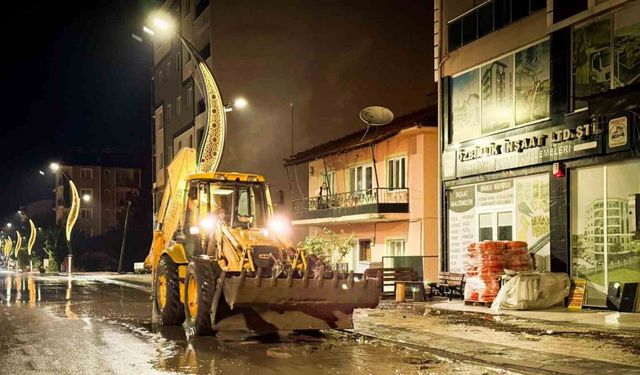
[{"x": 267, "y": 304}]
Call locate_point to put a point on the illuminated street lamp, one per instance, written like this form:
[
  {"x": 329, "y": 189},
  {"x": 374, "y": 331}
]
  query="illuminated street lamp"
[
  {"x": 215, "y": 108},
  {"x": 86, "y": 198},
  {"x": 72, "y": 215}
]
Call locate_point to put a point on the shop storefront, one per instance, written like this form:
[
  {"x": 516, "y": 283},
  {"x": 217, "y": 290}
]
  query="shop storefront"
[
  {"x": 542, "y": 145},
  {"x": 555, "y": 189}
]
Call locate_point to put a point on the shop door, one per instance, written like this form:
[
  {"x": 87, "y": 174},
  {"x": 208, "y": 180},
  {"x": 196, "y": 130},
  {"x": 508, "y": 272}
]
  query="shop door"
[{"x": 604, "y": 245}]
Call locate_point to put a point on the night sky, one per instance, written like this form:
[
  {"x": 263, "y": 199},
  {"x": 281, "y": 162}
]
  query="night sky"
[{"x": 73, "y": 77}]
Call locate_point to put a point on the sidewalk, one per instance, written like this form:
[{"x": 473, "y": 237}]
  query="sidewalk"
[
  {"x": 531, "y": 342},
  {"x": 593, "y": 317}
]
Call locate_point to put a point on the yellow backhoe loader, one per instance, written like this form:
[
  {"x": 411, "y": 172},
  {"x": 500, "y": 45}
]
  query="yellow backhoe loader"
[{"x": 219, "y": 260}]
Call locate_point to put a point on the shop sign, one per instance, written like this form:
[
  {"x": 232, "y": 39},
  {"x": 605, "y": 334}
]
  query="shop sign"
[
  {"x": 618, "y": 133},
  {"x": 557, "y": 143}
]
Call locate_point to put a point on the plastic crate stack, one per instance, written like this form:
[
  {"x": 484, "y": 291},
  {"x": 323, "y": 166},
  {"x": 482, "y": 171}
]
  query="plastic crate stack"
[{"x": 485, "y": 264}]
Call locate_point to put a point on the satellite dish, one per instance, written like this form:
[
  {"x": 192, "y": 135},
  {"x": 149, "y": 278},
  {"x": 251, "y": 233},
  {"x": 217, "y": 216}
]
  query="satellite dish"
[{"x": 376, "y": 115}]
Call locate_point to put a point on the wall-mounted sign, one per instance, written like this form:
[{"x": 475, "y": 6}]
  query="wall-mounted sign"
[
  {"x": 618, "y": 132},
  {"x": 556, "y": 143}
]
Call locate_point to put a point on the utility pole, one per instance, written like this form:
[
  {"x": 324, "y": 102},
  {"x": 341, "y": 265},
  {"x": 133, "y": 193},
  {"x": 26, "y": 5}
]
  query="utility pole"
[{"x": 124, "y": 237}]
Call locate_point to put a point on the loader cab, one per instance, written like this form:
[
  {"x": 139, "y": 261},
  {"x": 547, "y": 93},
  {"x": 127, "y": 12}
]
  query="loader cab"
[{"x": 237, "y": 202}]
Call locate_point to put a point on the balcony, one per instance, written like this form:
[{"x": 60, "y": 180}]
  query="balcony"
[{"x": 357, "y": 206}]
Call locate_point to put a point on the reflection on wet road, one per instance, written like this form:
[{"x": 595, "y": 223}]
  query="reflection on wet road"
[{"x": 114, "y": 322}]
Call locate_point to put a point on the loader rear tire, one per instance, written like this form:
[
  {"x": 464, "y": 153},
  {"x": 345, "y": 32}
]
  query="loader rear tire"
[
  {"x": 167, "y": 293},
  {"x": 199, "y": 290}
]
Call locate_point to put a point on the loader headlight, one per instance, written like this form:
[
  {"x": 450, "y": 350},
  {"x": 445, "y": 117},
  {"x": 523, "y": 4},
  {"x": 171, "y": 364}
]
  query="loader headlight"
[
  {"x": 208, "y": 223},
  {"x": 280, "y": 226}
]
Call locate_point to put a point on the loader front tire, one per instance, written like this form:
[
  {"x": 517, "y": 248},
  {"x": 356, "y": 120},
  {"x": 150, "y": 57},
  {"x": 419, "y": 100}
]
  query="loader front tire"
[
  {"x": 167, "y": 292},
  {"x": 199, "y": 291}
]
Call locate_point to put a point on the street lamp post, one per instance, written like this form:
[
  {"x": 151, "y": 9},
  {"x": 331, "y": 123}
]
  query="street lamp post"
[
  {"x": 72, "y": 215},
  {"x": 124, "y": 237}
]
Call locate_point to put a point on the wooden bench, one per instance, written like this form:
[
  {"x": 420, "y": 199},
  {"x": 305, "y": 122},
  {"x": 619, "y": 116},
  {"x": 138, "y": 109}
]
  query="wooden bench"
[
  {"x": 448, "y": 285},
  {"x": 392, "y": 276}
]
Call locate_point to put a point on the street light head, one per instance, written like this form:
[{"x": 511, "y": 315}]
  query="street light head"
[
  {"x": 240, "y": 103},
  {"x": 161, "y": 23},
  {"x": 54, "y": 167},
  {"x": 9, "y": 225},
  {"x": 41, "y": 172},
  {"x": 19, "y": 212},
  {"x": 86, "y": 198}
]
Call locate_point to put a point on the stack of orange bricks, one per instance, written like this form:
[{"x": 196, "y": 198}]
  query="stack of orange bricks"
[{"x": 486, "y": 262}]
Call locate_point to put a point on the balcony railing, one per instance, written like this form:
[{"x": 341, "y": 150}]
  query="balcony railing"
[{"x": 325, "y": 205}]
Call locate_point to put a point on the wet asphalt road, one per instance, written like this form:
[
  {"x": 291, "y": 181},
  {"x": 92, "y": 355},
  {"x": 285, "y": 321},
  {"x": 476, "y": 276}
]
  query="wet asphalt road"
[{"x": 103, "y": 325}]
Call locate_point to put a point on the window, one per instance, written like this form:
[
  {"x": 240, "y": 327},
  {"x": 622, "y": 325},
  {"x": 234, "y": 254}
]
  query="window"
[
  {"x": 495, "y": 226},
  {"x": 187, "y": 7},
  {"x": 490, "y": 16},
  {"x": 485, "y": 227},
  {"x": 505, "y": 226},
  {"x": 201, "y": 5},
  {"x": 178, "y": 106},
  {"x": 364, "y": 250},
  {"x": 159, "y": 117},
  {"x": 190, "y": 143},
  {"x": 361, "y": 178},
  {"x": 86, "y": 173},
  {"x": 169, "y": 109},
  {"x": 189, "y": 97},
  {"x": 396, "y": 247},
  {"x": 329, "y": 179},
  {"x": 563, "y": 9},
  {"x": 396, "y": 173},
  {"x": 86, "y": 213},
  {"x": 201, "y": 107},
  {"x": 178, "y": 63},
  {"x": 205, "y": 52},
  {"x": 161, "y": 160},
  {"x": 603, "y": 227},
  {"x": 160, "y": 79},
  {"x": 168, "y": 75}
]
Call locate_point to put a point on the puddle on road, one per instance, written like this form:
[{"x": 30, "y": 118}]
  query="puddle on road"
[{"x": 117, "y": 308}]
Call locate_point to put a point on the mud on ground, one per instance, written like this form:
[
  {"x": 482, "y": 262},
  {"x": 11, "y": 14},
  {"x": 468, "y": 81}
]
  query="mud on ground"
[{"x": 531, "y": 329}]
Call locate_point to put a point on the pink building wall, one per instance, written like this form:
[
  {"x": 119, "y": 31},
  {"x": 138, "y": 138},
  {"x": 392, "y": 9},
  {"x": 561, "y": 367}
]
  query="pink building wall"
[{"x": 420, "y": 226}]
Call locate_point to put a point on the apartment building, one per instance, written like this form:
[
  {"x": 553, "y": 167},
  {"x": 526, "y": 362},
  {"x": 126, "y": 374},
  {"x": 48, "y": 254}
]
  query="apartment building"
[
  {"x": 539, "y": 109},
  {"x": 380, "y": 185},
  {"x": 104, "y": 192}
]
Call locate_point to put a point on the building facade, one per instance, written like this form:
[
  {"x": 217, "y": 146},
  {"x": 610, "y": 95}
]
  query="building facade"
[
  {"x": 380, "y": 186},
  {"x": 179, "y": 109},
  {"x": 538, "y": 104},
  {"x": 103, "y": 191}
]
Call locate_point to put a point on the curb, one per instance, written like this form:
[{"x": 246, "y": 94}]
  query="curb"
[{"x": 459, "y": 356}]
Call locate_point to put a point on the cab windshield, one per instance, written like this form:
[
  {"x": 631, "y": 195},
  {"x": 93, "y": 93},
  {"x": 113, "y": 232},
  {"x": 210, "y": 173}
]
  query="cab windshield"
[{"x": 238, "y": 204}]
